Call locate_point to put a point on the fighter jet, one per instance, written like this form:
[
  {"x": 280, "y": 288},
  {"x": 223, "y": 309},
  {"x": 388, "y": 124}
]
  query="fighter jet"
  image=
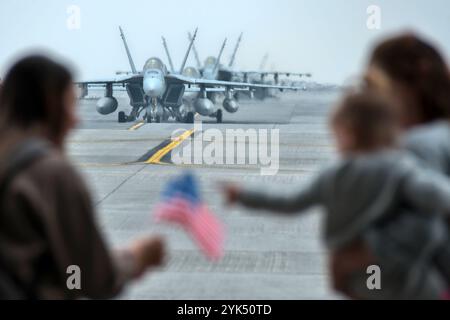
[
  {"x": 191, "y": 96},
  {"x": 213, "y": 69},
  {"x": 262, "y": 76},
  {"x": 160, "y": 93}
]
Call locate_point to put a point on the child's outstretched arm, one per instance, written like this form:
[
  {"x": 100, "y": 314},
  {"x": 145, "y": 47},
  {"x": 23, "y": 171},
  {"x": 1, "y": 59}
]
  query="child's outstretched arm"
[{"x": 309, "y": 196}]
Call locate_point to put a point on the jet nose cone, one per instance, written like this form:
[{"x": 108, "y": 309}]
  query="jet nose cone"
[{"x": 153, "y": 87}]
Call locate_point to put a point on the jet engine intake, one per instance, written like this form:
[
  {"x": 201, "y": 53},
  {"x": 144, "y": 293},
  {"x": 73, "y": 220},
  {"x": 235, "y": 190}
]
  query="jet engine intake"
[
  {"x": 107, "y": 105},
  {"x": 204, "y": 106},
  {"x": 230, "y": 105}
]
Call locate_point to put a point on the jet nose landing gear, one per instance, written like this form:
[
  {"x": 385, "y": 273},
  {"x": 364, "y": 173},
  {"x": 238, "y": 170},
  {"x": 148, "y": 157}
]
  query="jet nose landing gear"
[{"x": 154, "y": 112}]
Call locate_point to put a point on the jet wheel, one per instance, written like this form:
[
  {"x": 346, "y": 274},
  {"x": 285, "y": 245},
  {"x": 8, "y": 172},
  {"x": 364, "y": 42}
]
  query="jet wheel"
[
  {"x": 219, "y": 116},
  {"x": 122, "y": 117},
  {"x": 190, "y": 117}
]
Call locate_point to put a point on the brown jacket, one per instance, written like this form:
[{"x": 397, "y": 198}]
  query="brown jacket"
[{"x": 46, "y": 225}]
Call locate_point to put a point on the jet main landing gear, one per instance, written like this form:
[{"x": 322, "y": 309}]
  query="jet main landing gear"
[
  {"x": 219, "y": 116},
  {"x": 190, "y": 117},
  {"x": 134, "y": 114}
]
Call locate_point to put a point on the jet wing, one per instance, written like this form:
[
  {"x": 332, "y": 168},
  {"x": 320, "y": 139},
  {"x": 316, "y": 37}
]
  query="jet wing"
[
  {"x": 273, "y": 73},
  {"x": 128, "y": 73},
  {"x": 173, "y": 78},
  {"x": 198, "y": 89},
  {"x": 120, "y": 80}
]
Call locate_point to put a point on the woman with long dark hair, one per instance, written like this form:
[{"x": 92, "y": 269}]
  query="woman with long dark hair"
[
  {"x": 47, "y": 226},
  {"x": 410, "y": 71}
]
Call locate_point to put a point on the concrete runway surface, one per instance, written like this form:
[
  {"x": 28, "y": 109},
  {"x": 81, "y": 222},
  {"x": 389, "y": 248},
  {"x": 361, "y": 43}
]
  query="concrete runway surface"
[{"x": 267, "y": 257}]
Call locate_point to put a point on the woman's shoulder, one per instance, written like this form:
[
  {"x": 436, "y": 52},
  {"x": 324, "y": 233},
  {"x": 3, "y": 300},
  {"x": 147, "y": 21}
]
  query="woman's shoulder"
[
  {"x": 53, "y": 164},
  {"x": 49, "y": 182},
  {"x": 50, "y": 171},
  {"x": 431, "y": 144},
  {"x": 428, "y": 134}
]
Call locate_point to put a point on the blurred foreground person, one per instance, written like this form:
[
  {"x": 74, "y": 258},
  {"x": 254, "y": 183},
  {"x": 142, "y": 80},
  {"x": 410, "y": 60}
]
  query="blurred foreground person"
[
  {"x": 411, "y": 71},
  {"x": 373, "y": 183},
  {"x": 47, "y": 223}
]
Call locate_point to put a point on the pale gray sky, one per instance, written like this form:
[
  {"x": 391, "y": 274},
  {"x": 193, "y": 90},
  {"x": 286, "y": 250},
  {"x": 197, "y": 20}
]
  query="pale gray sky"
[{"x": 326, "y": 37}]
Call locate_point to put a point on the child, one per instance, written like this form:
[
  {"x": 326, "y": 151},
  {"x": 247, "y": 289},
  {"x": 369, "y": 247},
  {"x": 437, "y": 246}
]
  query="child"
[{"x": 374, "y": 183}]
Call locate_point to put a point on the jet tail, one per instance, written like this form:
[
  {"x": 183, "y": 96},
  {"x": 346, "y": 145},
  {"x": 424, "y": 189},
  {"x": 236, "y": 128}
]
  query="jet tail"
[
  {"x": 188, "y": 51},
  {"x": 130, "y": 59},
  {"x": 233, "y": 57},
  {"x": 263, "y": 63},
  {"x": 168, "y": 54},
  {"x": 194, "y": 48},
  {"x": 220, "y": 55}
]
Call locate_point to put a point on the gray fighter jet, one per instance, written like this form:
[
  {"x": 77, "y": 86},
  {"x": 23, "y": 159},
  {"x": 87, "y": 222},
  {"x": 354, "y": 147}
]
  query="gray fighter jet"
[
  {"x": 160, "y": 93},
  {"x": 213, "y": 69}
]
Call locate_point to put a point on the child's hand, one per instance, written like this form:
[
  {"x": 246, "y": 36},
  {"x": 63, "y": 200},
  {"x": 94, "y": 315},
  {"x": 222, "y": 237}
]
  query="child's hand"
[{"x": 231, "y": 193}]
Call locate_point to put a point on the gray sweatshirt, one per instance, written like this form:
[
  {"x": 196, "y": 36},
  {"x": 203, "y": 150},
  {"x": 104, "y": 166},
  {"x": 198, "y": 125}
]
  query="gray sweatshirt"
[
  {"x": 431, "y": 144},
  {"x": 394, "y": 204},
  {"x": 360, "y": 191},
  {"x": 47, "y": 224}
]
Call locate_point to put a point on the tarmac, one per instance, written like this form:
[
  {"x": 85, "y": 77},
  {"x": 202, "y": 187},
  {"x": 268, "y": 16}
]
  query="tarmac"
[{"x": 267, "y": 256}]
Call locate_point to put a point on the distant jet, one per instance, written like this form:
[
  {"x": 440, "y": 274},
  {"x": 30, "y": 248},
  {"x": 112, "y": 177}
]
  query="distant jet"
[
  {"x": 160, "y": 93},
  {"x": 213, "y": 69}
]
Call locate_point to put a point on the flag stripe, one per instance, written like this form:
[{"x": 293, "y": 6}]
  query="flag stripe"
[{"x": 182, "y": 205}]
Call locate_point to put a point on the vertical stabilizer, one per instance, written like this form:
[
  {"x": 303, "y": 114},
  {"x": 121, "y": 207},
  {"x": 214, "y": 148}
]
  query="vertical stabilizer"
[
  {"x": 233, "y": 57},
  {"x": 219, "y": 56},
  {"x": 188, "y": 51},
  {"x": 172, "y": 69},
  {"x": 130, "y": 59},
  {"x": 263, "y": 64},
  {"x": 194, "y": 48}
]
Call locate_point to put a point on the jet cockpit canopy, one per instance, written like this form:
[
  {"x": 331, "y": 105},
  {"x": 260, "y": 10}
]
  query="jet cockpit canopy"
[
  {"x": 191, "y": 72},
  {"x": 210, "y": 61},
  {"x": 155, "y": 63}
]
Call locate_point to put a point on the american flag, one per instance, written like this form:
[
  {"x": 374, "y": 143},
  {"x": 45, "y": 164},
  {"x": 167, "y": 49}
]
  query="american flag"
[{"x": 181, "y": 204}]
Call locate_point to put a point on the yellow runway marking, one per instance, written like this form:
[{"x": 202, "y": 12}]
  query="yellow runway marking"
[
  {"x": 136, "y": 126},
  {"x": 156, "y": 158}
]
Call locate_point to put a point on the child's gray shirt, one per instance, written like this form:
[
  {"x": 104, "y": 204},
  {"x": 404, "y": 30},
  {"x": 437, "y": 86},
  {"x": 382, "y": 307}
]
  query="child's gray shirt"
[{"x": 360, "y": 191}]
